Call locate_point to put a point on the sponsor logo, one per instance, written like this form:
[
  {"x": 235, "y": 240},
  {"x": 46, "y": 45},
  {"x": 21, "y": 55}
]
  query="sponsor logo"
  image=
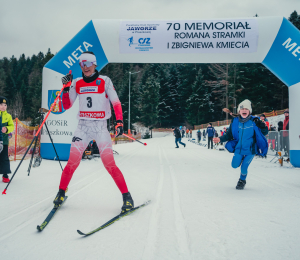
[
  {"x": 57, "y": 122},
  {"x": 144, "y": 41},
  {"x": 141, "y": 42},
  {"x": 89, "y": 89},
  {"x": 58, "y": 107},
  {"x": 141, "y": 28},
  {"x": 130, "y": 40},
  {"x": 98, "y": 114},
  {"x": 76, "y": 139}
]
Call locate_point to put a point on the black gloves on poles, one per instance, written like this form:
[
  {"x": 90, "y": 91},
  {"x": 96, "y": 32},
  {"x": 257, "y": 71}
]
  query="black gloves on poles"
[{"x": 65, "y": 80}]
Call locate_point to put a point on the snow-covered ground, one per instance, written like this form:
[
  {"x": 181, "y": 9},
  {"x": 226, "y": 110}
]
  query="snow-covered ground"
[{"x": 195, "y": 213}]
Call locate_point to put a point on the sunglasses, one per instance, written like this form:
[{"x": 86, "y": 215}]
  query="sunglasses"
[{"x": 86, "y": 63}]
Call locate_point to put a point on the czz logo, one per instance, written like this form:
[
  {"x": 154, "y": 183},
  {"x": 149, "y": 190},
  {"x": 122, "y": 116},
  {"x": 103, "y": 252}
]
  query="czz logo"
[
  {"x": 76, "y": 139},
  {"x": 144, "y": 41}
]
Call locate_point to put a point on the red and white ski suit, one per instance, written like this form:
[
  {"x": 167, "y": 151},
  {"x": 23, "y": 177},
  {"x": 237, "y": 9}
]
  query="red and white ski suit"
[{"x": 94, "y": 110}]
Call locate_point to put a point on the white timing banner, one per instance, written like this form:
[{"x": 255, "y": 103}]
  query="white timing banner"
[{"x": 201, "y": 36}]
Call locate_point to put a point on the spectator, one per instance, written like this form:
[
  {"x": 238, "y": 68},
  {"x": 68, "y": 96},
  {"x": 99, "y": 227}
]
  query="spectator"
[
  {"x": 204, "y": 135},
  {"x": 187, "y": 133},
  {"x": 176, "y": 133},
  {"x": 272, "y": 128},
  {"x": 222, "y": 133},
  {"x": 191, "y": 133},
  {"x": 280, "y": 126},
  {"x": 285, "y": 134},
  {"x": 199, "y": 135},
  {"x": 265, "y": 120},
  {"x": 6, "y": 128},
  {"x": 210, "y": 135}
]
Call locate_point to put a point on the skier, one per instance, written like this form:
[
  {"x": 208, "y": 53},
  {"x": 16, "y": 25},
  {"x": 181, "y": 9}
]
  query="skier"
[
  {"x": 176, "y": 133},
  {"x": 7, "y": 126},
  {"x": 95, "y": 92},
  {"x": 246, "y": 137}
]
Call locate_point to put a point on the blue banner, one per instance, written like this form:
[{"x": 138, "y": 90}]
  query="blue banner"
[
  {"x": 68, "y": 57},
  {"x": 283, "y": 59}
]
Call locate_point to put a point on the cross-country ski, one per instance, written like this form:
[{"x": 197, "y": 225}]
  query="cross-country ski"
[{"x": 113, "y": 220}]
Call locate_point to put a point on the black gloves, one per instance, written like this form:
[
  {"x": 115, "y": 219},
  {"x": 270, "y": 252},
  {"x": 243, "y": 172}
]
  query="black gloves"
[
  {"x": 259, "y": 123},
  {"x": 67, "y": 80},
  {"x": 119, "y": 128},
  {"x": 1, "y": 146}
]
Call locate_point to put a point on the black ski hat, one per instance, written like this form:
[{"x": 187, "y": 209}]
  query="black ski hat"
[{"x": 3, "y": 100}]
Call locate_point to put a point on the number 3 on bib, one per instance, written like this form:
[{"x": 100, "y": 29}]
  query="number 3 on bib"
[{"x": 89, "y": 104}]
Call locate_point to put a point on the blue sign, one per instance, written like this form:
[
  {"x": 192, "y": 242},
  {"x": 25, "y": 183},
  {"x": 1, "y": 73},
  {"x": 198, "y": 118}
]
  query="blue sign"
[{"x": 283, "y": 59}]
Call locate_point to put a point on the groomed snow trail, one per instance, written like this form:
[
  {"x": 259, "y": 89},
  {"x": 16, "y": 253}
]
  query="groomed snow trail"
[{"x": 195, "y": 210}]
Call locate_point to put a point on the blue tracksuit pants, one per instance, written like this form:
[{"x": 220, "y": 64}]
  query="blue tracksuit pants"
[
  {"x": 178, "y": 140},
  {"x": 243, "y": 161}
]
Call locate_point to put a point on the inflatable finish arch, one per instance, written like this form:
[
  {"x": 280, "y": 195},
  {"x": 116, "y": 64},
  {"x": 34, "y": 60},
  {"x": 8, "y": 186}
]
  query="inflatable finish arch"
[{"x": 273, "y": 41}]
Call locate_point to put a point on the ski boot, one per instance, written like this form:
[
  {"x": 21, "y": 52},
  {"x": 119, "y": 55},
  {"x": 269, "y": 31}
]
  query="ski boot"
[
  {"x": 241, "y": 184},
  {"x": 60, "y": 197},
  {"x": 5, "y": 178},
  {"x": 127, "y": 202}
]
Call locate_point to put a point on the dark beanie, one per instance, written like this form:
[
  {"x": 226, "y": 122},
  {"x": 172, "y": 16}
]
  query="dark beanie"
[{"x": 3, "y": 100}]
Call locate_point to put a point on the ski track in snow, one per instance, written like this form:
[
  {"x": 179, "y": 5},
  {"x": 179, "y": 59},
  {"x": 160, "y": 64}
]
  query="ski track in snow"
[
  {"x": 149, "y": 250},
  {"x": 195, "y": 210},
  {"x": 181, "y": 231}
]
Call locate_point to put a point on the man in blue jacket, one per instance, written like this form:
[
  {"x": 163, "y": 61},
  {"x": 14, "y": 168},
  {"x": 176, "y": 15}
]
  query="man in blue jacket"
[
  {"x": 210, "y": 135},
  {"x": 245, "y": 138}
]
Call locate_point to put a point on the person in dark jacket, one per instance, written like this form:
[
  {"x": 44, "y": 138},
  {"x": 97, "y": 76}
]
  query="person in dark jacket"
[
  {"x": 210, "y": 135},
  {"x": 6, "y": 128},
  {"x": 285, "y": 133},
  {"x": 199, "y": 135},
  {"x": 245, "y": 138},
  {"x": 280, "y": 126},
  {"x": 177, "y": 135},
  {"x": 280, "y": 139}
]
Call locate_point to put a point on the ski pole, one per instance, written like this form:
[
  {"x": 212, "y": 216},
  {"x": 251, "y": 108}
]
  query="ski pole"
[
  {"x": 52, "y": 106},
  {"x": 134, "y": 139}
]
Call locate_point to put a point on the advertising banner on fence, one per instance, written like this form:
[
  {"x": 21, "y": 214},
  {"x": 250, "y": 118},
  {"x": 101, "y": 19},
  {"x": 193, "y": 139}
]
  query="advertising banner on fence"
[{"x": 201, "y": 36}]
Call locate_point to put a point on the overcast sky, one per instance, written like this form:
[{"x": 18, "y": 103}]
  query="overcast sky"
[{"x": 31, "y": 26}]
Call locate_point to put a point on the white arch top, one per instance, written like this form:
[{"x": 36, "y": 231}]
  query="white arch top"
[{"x": 272, "y": 41}]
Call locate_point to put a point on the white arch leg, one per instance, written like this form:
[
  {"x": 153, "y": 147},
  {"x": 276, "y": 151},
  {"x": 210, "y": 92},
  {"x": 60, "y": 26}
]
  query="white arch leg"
[{"x": 294, "y": 130}]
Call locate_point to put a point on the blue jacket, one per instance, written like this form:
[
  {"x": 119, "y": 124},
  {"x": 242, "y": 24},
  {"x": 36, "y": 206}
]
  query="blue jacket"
[
  {"x": 210, "y": 132},
  {"x": 245, "y": 138}
]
